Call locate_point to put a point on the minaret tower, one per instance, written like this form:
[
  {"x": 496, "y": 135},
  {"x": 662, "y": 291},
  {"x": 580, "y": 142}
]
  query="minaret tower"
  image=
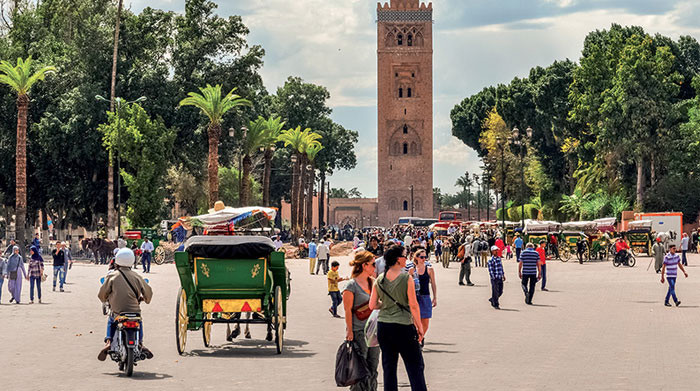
[{"x": 405, "y": 109}]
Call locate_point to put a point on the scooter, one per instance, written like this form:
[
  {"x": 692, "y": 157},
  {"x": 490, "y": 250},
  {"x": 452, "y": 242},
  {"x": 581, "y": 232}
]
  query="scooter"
[
  {"x": 126, "y": 350},
  {"x": 629, "y": 259}
]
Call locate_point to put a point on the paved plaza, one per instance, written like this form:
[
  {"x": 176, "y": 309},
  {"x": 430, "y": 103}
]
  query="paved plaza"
[{"x": 597, "y": 328}]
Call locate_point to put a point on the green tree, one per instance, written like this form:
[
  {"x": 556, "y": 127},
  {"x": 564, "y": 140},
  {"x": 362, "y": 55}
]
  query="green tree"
[
  {"x": 213, "y": 105},
  {"x": 21, "y": 79},
  {"x": 274, "y": 128},
  {"x": 145, "y": 145}
]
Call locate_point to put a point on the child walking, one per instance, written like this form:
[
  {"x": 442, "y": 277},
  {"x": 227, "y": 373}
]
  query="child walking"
[{"x": 333, "y": 291}]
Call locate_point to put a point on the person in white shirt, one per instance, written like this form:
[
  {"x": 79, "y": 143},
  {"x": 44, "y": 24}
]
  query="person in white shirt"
[
  {"x": 323, "y": 253},
  {"x": 278, "y": 243},
  {"x": 146, "y": 250},
  {"x": 407, "y": 240},
  {"x": 684, "y": 249}
]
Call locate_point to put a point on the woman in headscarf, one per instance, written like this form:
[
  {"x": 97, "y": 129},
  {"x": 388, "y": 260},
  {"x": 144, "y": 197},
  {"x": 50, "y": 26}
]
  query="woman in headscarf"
[
  {"x": 36, "y": 270},
  {"x": 15, "y": 272}
]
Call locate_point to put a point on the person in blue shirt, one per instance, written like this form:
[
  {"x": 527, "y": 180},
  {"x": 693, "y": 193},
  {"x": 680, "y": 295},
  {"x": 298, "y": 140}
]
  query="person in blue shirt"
[
  {"x": 518, "y": 244},
  {"x": 312, "y": 255},
  {"x": 529, "y": 271}
]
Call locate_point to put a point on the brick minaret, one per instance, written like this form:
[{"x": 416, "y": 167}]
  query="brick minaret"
[{"x": 404, "y": 109}]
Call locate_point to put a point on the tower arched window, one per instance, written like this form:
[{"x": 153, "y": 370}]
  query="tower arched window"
[
  {"x": 400, "y": 92},
  {"x": 405, "y": 148},
  {"x": 399, "y": 39},
  {"x": 405, "y": 205},
  {"x": 408, "y": 93},
  {"x": 409, "y": 40},
  {"x": 405, "y": 129}
]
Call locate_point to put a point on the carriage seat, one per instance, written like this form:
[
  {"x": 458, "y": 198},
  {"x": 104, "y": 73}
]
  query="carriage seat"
[{"x": 229, "y": 247}]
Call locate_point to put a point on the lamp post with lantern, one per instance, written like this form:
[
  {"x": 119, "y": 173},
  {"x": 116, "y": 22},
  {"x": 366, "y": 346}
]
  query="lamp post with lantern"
[{"x": 520, "y": 141}]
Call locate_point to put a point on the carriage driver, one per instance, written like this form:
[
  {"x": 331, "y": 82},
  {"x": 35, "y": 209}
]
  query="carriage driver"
[{"x": 120, "y": 290}]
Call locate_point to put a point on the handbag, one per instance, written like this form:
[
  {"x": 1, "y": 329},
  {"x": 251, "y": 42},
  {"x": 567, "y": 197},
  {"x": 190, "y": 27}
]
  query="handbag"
[
  {"x": 371, "y": 330},
  {"x": 43, "y": 276},
  {"x": 13, "y": 275},
  {"x": 362, "y": 312},
  {"x": 350, "y": 366}
]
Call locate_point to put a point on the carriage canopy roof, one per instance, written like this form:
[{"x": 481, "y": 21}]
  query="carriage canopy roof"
[
  {"x": 229, "y": 247},
  {"x": 639, "y": 224}
]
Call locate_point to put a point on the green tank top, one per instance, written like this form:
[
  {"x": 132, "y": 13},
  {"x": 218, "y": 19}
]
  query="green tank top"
[{"x": 390, "y": 312}]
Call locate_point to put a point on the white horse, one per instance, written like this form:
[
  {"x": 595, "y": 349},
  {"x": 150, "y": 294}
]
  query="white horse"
[{"x": 666, "y": 238}]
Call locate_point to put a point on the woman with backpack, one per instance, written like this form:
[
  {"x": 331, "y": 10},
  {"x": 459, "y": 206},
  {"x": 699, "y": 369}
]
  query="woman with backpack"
[{"x": 399, "y": 329}]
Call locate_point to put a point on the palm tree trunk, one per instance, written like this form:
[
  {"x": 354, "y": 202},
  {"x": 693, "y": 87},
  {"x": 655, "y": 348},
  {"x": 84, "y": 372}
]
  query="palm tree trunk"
[
  {"x": 213, "y": 163},
  {"x": 111, "y": 212},
  {"x": 300, "y": 198},
  {"x": 321, "y": 201},
  {"x": 21, "y": 171},
  {"x": 245, "y": 186},
  {"x": 266, "y": 177},
  {"x": 640, "y": 182},
  {"x": 310, "y": 203},
  {"x": 294, "y": 198}
]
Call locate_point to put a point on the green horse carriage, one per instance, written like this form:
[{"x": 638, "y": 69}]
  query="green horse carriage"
[
  {"x": 639, "y": 235},
  {"x": 224, "y": 277}
]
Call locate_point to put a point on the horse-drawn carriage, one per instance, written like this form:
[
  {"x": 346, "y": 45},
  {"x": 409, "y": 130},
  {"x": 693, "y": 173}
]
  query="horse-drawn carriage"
[
  {"x": 639, "y": 235},
  {"x": 602, "y": 241},
  {"x": 572, "y": 233},
  {"x": 226, "y": 275},
  {"x": 536, "y": 231},
  {"x": 138, "y": 235}
]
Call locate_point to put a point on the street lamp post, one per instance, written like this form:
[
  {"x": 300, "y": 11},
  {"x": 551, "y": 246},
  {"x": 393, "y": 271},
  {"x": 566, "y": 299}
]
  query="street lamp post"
[
  {"x": 118, "y": 103},
  {"x": 501, "y": 144},
  {"x": 487, "y": 179},
  {"x": 240, "y": 166},
  {"x": 520, "y": 140},
  {"x": 411, "y": 188}
]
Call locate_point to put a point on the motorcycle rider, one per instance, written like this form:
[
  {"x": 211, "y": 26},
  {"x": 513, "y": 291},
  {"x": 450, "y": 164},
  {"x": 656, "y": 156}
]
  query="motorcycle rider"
[
  {"x": 621, "y": 248},
  {"x": 122, "y": 298}
]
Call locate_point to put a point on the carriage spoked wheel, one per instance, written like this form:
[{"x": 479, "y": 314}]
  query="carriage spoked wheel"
[
  {"x": 564, "y": 253},
  {"x": 181, "y": 321},
  {"x": 278, "y": 320},
  {"x": 159, "y": 255},
  {"x": 206, "y": 331}
]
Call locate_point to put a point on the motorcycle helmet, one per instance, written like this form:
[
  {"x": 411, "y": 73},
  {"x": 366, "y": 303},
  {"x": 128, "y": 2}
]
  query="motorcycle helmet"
[{"x": 124, "y": 257}]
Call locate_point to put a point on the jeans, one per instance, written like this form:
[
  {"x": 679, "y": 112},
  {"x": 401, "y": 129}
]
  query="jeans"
[
  {"x": 112, "y": 328},
  {"x": 465, "y": 270},
  {"x": 2, "y": 280},
  {"x": 336, "y": 299},
  {"x": 399, "y": 339},
  {"x": 371, "y": 356},
  {"x": 529, "y": 282},
  {"x": 60, "y": 272},
  {"x": 671, "y": 289},
  {"x": 322, "y": 263},
  {"x": 544, "y": 276},
  {"x": 517, "y": 253},
  {"x": 684, "y": 260},
  {"x": 496, "y": 291},
  {"x": 32, "y": 281},
  {"x": 146, "y": 262}
]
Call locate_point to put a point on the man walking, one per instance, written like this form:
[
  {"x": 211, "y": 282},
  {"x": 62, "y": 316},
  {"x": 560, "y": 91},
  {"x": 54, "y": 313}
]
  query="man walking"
[
  {"x": 59, "y": 262},
  {"x": 313, "y": 252},
  {"x": 657, "y": 250},
  {"x": 541, "y": 251},
  {"x": 497, "y": 277},
  {"x": 529, "y": 271},
  {"x": 670, "y": 267},
  {"x": 323, "y": 257},
  {"x": 146, "y": 250},
  {"x": 465, "y": 259},
  {"x": 684, "y": 248},
  {"x": 518, "y": 244}
]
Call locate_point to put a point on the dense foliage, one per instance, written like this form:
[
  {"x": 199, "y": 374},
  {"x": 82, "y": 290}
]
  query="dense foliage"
[{"x": 614, "y": 130}]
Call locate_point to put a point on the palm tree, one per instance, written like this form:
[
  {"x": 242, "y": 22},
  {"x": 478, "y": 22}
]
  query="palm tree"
[
  {"x": 214, "y": 106},
  {"x": 21, "y": 79},
  {"x": 274, "y": 127},
  {"x": 478, "y": 203},
  {"x": 311, "y": 151},
  {"x": 465, "y": 181},
  {"x": 574, "y": 204},
  {"x": 255, "y": 138},
  {"x": 298, "y": 141}
]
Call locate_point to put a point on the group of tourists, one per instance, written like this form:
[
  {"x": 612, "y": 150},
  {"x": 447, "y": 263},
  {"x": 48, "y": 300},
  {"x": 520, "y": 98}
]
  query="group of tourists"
[{"x": 13, "y": 270}]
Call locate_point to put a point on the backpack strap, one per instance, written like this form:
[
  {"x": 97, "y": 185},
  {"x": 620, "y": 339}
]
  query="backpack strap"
[{"x": 138, "y": 295}]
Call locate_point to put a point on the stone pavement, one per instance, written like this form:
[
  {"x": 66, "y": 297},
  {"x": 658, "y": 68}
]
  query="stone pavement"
[{"x": 598, "y": 328}]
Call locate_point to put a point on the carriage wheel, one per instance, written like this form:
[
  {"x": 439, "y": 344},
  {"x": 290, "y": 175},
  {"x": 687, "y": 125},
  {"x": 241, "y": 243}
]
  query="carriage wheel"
[
  {"x": 564, "y": 253},
  {"x": 159, "y": 255},
  {"x": 278, "y": 320},
  {"x": 181, "y": 321},
  {"x": 206, "y": 331}
]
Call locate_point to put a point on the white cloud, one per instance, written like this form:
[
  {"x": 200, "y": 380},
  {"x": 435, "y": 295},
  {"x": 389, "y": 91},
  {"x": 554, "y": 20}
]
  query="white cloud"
[{"x": 454, "y": 153}]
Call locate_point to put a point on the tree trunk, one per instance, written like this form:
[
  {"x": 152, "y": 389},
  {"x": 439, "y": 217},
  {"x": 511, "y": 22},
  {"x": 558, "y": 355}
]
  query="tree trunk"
[
  {"x": 111, "y": 212},
  {"x": 294, "y": 198},
  {"x": 213, "y": 163},
  {"x": 300, "y": 198},
  {"x": 310, "y": 203},
  {"x": 266, "y": 176},
  {"x": 640, "y": 182},
  {"x": 322, "y": 201},
  {"x": 245, "y": 185},
  {"x": 652, "y": 163},
  {"x": 21, "y": 172}
]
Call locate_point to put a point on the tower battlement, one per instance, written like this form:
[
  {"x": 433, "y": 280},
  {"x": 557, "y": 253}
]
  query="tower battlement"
[{"x": 405, "y": 5}]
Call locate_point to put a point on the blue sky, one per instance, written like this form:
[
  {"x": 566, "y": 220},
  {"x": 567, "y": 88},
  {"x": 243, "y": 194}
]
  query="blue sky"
[{"x": 476, "y": 43}]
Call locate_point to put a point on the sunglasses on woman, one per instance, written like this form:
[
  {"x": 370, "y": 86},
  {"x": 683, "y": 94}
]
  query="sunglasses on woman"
[{"x": 421, "y": 257}]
